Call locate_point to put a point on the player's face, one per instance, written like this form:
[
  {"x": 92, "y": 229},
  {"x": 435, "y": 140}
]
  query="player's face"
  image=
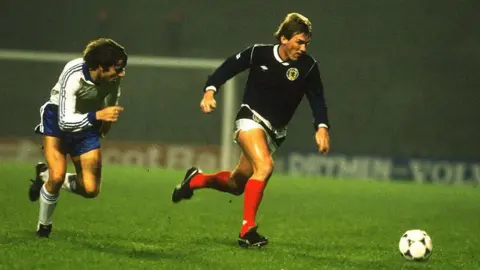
[
  {"x": 296, "y": 46},
  {"x": 113, "y": 73}
]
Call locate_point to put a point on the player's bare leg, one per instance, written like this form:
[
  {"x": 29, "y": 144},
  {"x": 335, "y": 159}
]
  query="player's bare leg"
[
  {"x": 86, "y": 182},
  {"x": 49, "y": 192},
  {"x": 255, "y": 148},
  {"x": 249, "y": 178},
  {"x": 72, "y": 182},
  {"x": 89, "y": 171}
]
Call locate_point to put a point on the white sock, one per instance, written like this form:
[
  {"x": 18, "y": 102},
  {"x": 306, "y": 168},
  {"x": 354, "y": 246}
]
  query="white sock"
[
  {"x": 69, "y": 184},
  {"x": 48, "y": 202}
]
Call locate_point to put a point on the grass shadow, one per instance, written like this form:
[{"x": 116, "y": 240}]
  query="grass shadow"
[
  {"x": 127, "y": 246},
  {"x": 19, "y": 236}
]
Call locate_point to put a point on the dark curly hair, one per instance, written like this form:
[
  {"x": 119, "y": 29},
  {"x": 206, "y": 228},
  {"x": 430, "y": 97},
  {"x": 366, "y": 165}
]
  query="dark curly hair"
[{"x": 104, "y": 52}]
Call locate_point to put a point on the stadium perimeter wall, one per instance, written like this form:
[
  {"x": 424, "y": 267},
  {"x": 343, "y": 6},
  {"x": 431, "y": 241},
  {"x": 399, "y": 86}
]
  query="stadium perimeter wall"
[{"x": 175, "y": 156}]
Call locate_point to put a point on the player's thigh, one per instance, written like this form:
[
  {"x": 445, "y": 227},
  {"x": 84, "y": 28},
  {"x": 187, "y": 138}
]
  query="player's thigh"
[
  {"x": 89, "y": 168},
  {"x": 55, "y": 157},
  {"x": 254, "y": 144}
]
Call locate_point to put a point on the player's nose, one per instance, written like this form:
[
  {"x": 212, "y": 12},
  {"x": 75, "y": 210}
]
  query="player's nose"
[{"x": 303, "y": 48}]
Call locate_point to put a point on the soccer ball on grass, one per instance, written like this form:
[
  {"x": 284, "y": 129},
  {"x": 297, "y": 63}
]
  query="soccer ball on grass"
[{"x": 415, "y": 245}]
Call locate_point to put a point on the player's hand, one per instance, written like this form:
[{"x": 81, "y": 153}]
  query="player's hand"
[
  {"x": 208, "y": 103},
  {"x": 323, "y": 140},
  {"x": 109, "y": 114}
]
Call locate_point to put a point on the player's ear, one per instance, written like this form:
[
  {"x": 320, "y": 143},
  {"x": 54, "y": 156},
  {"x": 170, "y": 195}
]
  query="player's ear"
[{"x": 283, "y": 40}]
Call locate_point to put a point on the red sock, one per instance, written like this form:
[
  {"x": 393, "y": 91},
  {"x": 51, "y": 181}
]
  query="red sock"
[
  {"x": 217, "y": 181},
  {"x": 252, "y": 197}
]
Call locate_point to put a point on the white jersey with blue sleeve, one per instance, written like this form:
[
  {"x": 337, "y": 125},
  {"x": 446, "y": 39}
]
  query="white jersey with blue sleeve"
[{"x": 78, "y": 97}]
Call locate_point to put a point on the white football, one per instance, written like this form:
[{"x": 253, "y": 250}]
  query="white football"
[{"x": 415, "y": 245}]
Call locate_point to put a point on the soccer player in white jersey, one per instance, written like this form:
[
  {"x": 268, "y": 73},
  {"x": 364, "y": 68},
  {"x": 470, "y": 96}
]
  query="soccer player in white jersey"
[
  {"x": 280, "y": 76},
  {"x": 82, "y": 106}
]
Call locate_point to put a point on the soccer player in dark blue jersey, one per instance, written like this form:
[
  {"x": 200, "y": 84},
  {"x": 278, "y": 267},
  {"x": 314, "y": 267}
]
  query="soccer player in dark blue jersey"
[{"x": 280, "y": 75}]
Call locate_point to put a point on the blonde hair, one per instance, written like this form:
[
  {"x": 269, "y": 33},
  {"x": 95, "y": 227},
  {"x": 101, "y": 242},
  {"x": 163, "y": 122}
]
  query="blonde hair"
[{"x": 293, "y": 24}]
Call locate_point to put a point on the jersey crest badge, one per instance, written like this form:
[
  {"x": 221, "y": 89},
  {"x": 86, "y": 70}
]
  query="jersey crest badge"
[{"x": 292, "y": 74}]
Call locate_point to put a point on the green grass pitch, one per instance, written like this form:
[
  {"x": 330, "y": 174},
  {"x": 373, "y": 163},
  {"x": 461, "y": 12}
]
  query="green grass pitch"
[{"x": 312, "y": 223}]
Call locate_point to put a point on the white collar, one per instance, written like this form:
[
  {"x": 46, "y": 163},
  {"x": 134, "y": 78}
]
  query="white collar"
[{"x": 277, "y": 56}]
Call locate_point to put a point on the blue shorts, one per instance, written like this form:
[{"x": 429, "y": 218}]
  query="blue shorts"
[{"x": 73, "y": 143}]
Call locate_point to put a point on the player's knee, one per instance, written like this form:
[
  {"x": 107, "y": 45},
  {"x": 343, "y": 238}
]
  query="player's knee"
[
  {"x": 264, "y": 167},
  {"x": 91, "y": 192},
  {"x": 56, "y": 177},
  {"x": 91, "y": 188}
]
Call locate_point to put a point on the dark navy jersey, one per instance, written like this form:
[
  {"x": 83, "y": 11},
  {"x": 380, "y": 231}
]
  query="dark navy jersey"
[{"x": 275, "y": 87}]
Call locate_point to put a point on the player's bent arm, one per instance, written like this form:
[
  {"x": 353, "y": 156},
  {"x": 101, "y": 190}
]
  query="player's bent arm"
[
  {"x": 69, "y": 119},
  {"x": 316, "y": 99},
  {"x": 229, "y": 68}
]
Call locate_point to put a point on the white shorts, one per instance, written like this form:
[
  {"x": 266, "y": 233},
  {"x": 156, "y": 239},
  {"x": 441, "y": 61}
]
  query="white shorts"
[{"x": 274, "y": 136}]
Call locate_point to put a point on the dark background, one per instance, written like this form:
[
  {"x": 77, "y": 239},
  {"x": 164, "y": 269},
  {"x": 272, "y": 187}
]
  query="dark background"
[{"x": 400, "y": 76}]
